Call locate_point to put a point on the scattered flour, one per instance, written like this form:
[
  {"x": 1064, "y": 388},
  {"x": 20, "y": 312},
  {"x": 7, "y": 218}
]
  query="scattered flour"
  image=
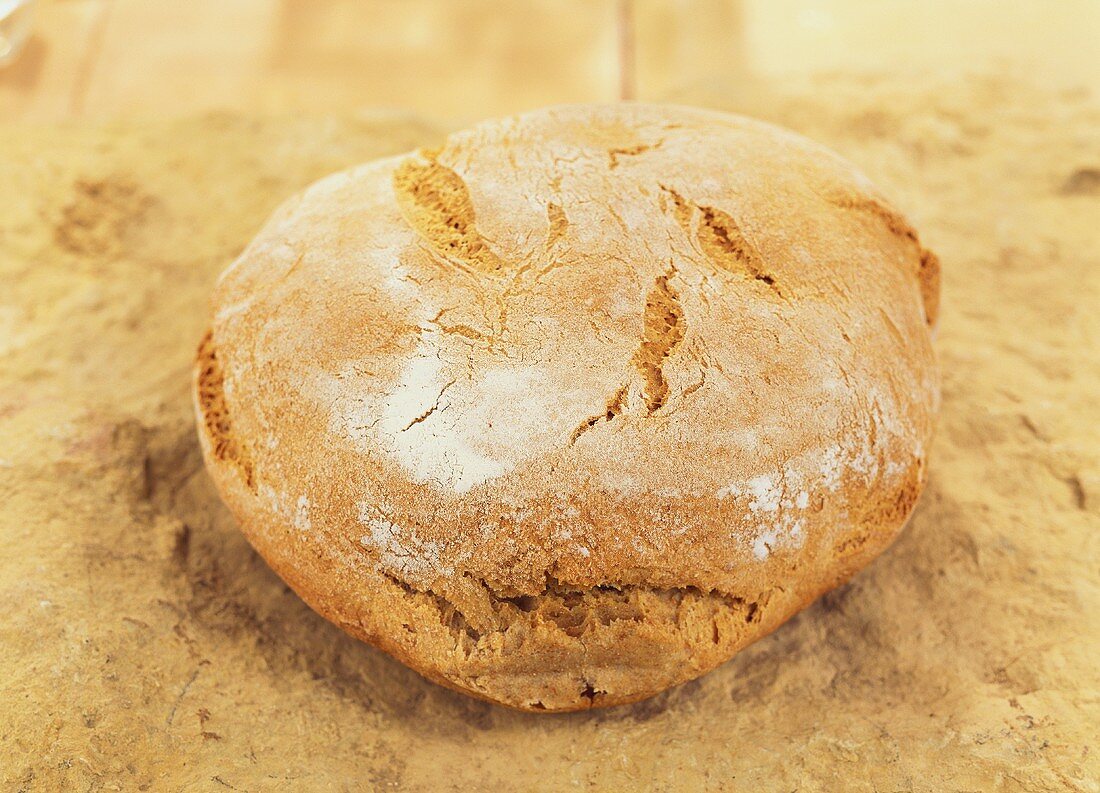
[
  {"x": 832, "y": 467},
  {"x": 767, "y": 492},
  {"x": 415, "y": 424},
  {"x": 296, "y": 513},
  {"x": 771, "y": 500},
  {"x": 763, "y": 544},
  {"x": 401, "y": 552},
  {"x": 448, "y": 425},
  {"x": 776, "y": 499},
  {"x": 301, "y": 515}
]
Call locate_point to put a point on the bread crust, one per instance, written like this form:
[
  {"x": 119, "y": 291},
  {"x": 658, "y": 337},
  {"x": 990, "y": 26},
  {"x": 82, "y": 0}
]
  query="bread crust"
[{"x": 573, "y": 407}]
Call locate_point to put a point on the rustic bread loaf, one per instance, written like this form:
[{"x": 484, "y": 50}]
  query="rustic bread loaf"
[{"x": 573, "y": 407}]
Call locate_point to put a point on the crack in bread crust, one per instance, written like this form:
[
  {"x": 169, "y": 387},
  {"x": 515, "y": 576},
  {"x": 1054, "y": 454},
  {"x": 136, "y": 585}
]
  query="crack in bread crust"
[
  {"x": 210, "y": 390},
  {"x": 928, "y": 271},
  {"x": 663, "y": 330},
  {"x": 573, "y": 609},
  {"x": 572, "y": 634},
  {"x": 722, "y": 240},
  {"x": 436, "y": 202}
]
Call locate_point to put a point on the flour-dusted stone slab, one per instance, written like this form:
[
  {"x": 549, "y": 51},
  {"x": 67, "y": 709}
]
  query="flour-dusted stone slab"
[{"x": 576, "y": 405}]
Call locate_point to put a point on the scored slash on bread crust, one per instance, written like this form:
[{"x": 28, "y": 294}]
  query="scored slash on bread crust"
[{"x": 577, "y": 405}]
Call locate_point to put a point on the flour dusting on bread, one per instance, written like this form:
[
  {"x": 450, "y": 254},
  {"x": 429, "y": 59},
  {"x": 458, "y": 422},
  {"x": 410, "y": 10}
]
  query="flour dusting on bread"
[
  {"x": 400, "y": 551},
  {"x": 566, "y": 371}
]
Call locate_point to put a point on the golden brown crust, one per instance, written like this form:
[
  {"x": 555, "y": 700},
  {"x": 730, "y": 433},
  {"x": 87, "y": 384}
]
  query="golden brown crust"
[{"x": 574, "y": 407}]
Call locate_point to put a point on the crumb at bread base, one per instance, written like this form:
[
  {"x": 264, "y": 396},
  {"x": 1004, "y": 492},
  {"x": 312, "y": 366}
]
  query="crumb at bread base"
[{"x": 574, "y": 407}]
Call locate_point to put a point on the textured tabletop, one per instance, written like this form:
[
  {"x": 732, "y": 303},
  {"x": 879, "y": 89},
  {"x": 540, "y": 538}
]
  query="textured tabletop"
[{"x": 144, "y": 645}]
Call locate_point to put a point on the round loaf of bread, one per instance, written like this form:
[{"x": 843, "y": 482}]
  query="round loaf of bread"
[{"x": 573, "y": 407}]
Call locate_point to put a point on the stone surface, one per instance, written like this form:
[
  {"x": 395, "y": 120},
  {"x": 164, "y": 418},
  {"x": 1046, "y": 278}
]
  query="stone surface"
[{"x": 144, "y": 645}]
